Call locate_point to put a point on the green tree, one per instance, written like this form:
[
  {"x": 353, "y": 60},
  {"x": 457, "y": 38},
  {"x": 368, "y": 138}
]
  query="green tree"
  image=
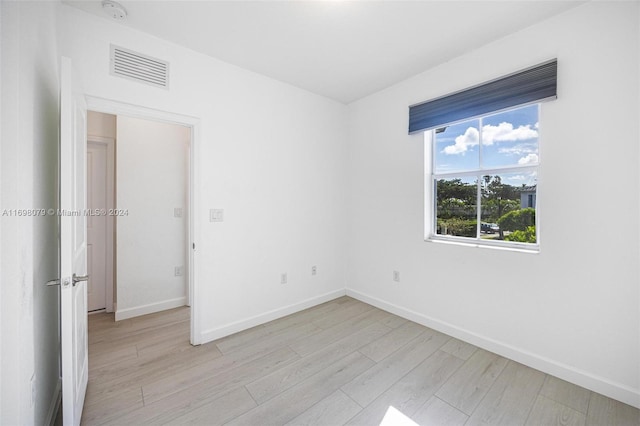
[
  {"x": 523, "y": 236},
  {"x": 457, "y": 226},
  {"x": 518, "y": 220},
  {"x": 455, "y": 188},
  {"x": 455, "y": 199},
  {"x": 498, "y": 198}
]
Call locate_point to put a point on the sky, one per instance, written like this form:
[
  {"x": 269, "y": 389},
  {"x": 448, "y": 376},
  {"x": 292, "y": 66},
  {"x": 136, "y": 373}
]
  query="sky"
[{"x": 509, "y": 138}]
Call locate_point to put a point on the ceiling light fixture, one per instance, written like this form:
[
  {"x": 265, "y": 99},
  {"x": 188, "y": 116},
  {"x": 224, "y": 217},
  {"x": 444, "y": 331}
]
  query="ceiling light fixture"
[{"x": 114, "y": 10}]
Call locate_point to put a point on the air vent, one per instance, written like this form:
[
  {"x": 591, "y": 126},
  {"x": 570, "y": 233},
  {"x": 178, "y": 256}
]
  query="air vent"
[{"x": 136, "y": 66}]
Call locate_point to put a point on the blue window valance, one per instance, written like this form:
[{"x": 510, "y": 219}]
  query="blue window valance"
[{"x": 533, "y": 84}]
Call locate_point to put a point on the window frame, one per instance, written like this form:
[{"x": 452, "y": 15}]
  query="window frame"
[{"x": 430, "y": 185}]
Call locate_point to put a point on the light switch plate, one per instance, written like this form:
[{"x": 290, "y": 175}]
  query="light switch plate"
[{"x": 216, "y": 215}]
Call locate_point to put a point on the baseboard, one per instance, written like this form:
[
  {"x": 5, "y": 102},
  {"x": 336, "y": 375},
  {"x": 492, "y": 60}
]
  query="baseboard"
[
  {"x": 136, "y": 311},
  {"x": 54, "y": 406},
  {"x": 571, "y": 374},
  {"x": 234, "y": 327}
]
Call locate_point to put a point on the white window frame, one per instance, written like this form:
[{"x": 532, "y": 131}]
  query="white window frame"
[{"x": 430, "y": 205}]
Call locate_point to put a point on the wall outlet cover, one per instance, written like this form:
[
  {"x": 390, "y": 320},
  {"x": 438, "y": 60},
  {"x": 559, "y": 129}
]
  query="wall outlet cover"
[{"x": 216, "y": 215}]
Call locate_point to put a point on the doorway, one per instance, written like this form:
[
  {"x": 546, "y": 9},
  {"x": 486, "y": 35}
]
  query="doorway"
[
  {"x": 100, "y": 227},
  {"x": 140, "y": 247}
]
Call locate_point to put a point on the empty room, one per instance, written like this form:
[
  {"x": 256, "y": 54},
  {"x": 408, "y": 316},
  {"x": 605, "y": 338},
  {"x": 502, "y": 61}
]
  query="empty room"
[{"x": 385, "y": 212}]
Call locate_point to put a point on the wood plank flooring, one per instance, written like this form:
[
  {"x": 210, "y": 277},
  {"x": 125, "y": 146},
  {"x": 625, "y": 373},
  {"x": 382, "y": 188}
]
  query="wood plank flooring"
[{"x": 342, "y": 362}]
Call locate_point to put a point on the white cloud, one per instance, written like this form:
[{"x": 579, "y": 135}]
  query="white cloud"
[
  {"x": 517, "y": 178},
  {"x": 520, "y": 149},
  {"x": 524, "y": 179},
  {"x": 528, "y": 159},
  {"x": 470, "y": 137},
  {"x": 504, "y": 132}
]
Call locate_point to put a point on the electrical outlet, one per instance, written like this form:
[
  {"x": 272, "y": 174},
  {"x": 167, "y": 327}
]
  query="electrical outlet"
[
  {"x": 177, "y": 271},
  {"x": 283, "y": 279},
  {"x": 396, "y": 276},
  {"x": 177, "y": 212},
  {"x": 314, "y": 270}
]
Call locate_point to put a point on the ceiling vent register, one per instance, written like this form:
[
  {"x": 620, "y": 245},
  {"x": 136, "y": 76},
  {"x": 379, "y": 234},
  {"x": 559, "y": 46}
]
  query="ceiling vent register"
[{"x": 136, "y": 66}]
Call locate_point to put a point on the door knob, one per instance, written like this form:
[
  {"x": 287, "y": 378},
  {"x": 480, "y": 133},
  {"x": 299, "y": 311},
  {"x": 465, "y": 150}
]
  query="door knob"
[
  {"x": 77, "y": 279},
  {"x": 53, "y": 282}
]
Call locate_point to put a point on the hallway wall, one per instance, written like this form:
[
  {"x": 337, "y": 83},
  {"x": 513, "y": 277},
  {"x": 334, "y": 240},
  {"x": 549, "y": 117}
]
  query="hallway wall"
[{"x": 152, "y": 180}]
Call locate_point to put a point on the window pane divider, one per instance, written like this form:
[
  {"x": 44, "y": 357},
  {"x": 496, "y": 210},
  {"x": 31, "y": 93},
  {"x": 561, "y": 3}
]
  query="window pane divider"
[
  {"x": 483, "y": 172},
  {"x": 479, "y": 182}
]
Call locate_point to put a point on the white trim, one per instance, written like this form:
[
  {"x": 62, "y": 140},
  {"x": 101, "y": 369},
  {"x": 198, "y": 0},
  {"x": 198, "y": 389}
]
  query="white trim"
[
  {"x": 481, "y": 243},
  {"x": 121, "y": 108},
  {"x": 428, "y": 190},
  {"x": 483, "y": 172},
  {"x": 151, "y": 308},
  {"x": 617, "y": 391},
  {"x": 54, "y": 406},
  {"x": 234, "y": 327},
  {"x": 109, "y": 106},
  {"x": 194, "y": 236},
  {"x": 111, "y": 176}
]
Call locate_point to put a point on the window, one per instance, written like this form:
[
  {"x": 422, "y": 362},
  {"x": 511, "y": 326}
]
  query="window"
[
  {"x": 483, "y": 175},
  {"x": 482, "y": 149},
  {"x": 482, "y": 158}
]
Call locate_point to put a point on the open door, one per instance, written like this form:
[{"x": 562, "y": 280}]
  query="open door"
[{"x": 73, "y": 245}]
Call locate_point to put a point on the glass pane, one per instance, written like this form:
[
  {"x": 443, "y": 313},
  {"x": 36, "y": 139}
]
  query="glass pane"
[
  {"x": 509, "y": 207},
  {"x": 456, "y": 212},
  {"x": 510, "y": 138},
  {"x": 456, "y": 147}
]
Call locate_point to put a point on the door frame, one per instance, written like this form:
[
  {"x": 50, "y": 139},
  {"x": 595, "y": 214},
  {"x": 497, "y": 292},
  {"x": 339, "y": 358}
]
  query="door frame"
[
  {"x": 109, "y": 106},
  {"x": 111, "y": 176}
]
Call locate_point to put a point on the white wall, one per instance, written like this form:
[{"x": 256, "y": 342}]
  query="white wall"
[
  {"x": 271, "y": 155},
  {"x": 102, "y": 125},
  {"x": 575, "y": 312},
  {"x": 152, "y": 177},
  {"x": 2, "y": 35},
  {"x": 29, "y": 310}
]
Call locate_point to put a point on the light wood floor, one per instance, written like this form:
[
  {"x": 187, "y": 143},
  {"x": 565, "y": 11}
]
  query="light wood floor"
[{"x": 342, "y": 362}]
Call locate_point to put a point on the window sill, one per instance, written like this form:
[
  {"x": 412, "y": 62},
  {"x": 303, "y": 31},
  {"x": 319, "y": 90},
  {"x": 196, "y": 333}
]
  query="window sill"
[{"x": 515, "y": 247}]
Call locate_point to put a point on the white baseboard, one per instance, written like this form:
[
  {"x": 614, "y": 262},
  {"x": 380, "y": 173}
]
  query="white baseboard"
[
  {"x": 136, "y": 311},
  {"x": 54, "y": 406},
  {"x": 571, "y": 374},
  {"x": 234, "y": 327}
]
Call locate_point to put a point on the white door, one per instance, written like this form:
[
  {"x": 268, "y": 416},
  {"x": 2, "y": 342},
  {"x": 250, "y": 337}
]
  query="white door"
[
  {"x": 97, "y": 226},
  {"x": 73, "y": 245}
]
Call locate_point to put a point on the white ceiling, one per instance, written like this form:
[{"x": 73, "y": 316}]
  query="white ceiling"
[{"x": 343, "y": 50}]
